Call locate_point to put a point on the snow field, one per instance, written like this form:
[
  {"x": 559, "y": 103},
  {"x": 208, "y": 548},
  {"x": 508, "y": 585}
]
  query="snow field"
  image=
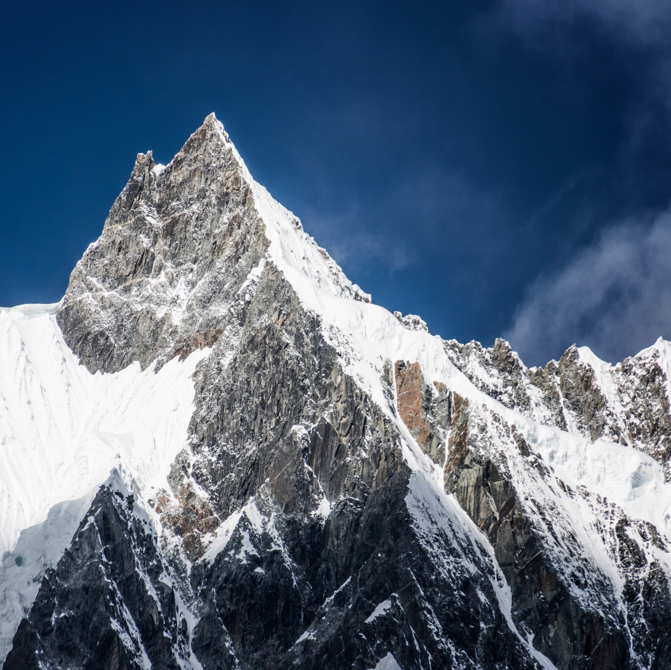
[{"x": 62, "y": 431}]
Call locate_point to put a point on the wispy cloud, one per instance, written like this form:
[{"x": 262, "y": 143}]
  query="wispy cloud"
[
  {"x": 354, "y": 247},
  {"x": 614, "y": 296},
  {"x": 635, "y": 37},
  {"x": 642, "y": 24},
  {"x": 419, "y": 213}
]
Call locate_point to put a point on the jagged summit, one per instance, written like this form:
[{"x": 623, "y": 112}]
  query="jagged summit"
[{"x": 301, "y": 479}]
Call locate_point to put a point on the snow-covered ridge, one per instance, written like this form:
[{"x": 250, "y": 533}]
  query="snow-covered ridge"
[
  {"x": 609, "y": 376},
  {"x": 368, "y": 335},
  {"x": 627, "y": 403},
  {"x": 301, "y": 259},
  {"x": 584, "y": 478}
]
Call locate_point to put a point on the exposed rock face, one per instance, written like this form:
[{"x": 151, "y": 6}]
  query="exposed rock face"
[
  {"x": 111, "y": 602},
  {"x": 565, "y": 627},
  {"x": 412, "y": 322},
  {"x": 424, "y": 411},
  {"x": 334, "y": 507},
  {"x": 574, "y": 632},
  {"x": 571, "y": 631},
  {"x": 410, "y": 389}
]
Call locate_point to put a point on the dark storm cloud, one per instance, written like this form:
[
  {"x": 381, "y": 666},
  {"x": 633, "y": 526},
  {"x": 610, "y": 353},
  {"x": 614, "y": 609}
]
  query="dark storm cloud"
[{"x": 614, "y": 297}]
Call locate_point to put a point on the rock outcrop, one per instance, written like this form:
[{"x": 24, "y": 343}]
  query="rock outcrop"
[{"x": 627, "y": 403}]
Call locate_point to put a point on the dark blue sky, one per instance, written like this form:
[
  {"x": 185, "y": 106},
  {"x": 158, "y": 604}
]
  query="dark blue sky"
[{"x": 496, "y": 167}]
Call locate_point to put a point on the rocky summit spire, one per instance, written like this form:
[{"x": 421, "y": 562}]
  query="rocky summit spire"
[
  {"x": 345, "y": 490},
  {"x": 177, "y": 246}
]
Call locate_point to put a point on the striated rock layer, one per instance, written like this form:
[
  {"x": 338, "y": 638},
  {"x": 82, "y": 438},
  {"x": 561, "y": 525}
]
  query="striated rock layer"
[{"x": 351, "y": 492}]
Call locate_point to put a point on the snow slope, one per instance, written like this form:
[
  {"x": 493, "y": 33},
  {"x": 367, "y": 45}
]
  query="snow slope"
[
  {"x": 62, "y": 431},
  {"x": 602, "y": 473}
]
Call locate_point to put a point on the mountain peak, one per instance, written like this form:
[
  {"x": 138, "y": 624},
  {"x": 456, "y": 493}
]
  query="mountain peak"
[
  {"x": 334, "y": 487},
  {"x": 178, "y": 246}
]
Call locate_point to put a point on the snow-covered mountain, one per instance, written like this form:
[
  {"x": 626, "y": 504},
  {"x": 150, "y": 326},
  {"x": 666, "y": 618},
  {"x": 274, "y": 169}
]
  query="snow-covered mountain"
[{"x": 217, "y": 452}]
